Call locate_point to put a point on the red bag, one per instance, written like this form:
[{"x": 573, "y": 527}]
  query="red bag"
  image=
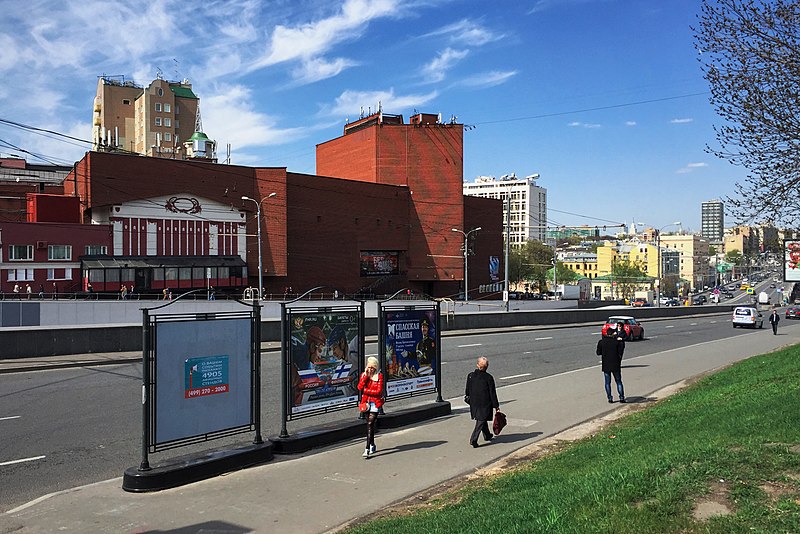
[{"x": 499, "y": 422}]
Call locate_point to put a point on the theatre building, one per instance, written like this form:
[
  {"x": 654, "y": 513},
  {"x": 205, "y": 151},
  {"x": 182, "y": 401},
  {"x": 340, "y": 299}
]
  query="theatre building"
[{"x": 384, "y": 212}]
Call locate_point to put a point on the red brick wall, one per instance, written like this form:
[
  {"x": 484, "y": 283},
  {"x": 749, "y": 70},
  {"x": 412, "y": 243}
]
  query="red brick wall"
[
  {"x": 330, "y": 221},
  {"x": 488, "y": 214},
  {"x": 351, "y": 156}
]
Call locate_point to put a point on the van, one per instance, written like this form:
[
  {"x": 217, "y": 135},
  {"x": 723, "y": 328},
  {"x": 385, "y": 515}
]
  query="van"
[{"x": 747, "y": 316}]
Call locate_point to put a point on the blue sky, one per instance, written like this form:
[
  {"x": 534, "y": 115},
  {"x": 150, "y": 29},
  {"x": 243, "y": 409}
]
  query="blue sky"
[{"x": 604, "y": 99}]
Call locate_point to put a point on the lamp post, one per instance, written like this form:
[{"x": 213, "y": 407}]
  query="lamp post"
[
  {"x": 658, "y": 266},
  {"x": 260, "y": 265},
  {"x": 466, "y": 253}
]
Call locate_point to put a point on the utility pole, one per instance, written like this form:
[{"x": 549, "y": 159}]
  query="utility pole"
[{"x": 508, "y": 245}]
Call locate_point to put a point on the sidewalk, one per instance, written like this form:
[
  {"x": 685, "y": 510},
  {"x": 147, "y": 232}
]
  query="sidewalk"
[{"x": 323, "y": 489}]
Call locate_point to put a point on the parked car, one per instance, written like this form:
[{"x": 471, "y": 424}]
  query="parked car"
[
  {"x": 793, "y": 312},
  {"x": 699, "y": 299},
  {"x": 639, "y": 302},
  {"x": 672, "y": 301},
  {"x": 633, "y": 328},
  {"x": 747, "y": 316}
]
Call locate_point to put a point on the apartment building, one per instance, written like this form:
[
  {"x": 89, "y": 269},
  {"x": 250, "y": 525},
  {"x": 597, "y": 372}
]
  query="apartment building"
[
  {"x": 527, "y": 216},
  {"x": 695, "y": 265},
  {"x": 712, "y": 214},
  {"x": 160, "y": 120}
]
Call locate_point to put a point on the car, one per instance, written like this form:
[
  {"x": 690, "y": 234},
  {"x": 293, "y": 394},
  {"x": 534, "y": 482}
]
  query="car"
[
  {"x": 793, "y": 312},
  {"x": 633, "y": 328},
  {"x": 639, "y": 302},
  {"x": 772, "y": 286},
  {"x": 672, "y": 302},
  {"x": 699, "y": 299},
  {"x": 747, "y": 316}
]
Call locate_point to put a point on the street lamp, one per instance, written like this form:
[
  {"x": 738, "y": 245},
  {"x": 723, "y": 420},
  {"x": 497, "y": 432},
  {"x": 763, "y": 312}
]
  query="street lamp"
[
  {"x": 260, "y": 265},
  {"x": 466, "y": 252},
  {"x": 658, "y": 266}
]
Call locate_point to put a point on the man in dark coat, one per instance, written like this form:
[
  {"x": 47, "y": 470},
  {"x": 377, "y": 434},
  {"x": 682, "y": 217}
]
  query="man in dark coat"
[
  {"x": 611, "y": 347},
  {"x": 481, "y": 395},
  {"x": 773, "y": 320}
]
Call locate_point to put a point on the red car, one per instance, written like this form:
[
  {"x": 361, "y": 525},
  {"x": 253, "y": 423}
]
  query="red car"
[
  {"x": 633, "y": 328},
  {"x": 793, "y": 312}
]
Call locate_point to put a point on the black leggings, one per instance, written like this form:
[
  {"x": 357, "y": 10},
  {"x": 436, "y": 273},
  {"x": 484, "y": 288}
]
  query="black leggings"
[{"x": 372, "y": 418}]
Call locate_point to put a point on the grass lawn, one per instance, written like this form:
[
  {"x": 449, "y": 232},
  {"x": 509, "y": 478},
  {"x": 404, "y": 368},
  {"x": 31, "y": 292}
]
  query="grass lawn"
[{"x": 723, "y": 456}]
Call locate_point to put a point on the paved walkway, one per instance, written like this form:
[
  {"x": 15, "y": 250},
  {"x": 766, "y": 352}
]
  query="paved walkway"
[{"x": 321, "y": 490}]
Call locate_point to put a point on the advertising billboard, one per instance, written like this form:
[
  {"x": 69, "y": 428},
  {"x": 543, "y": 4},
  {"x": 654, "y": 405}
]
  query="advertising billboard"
[
  {"x": 324, "y": 353},
  {"x": 379, "y": 262},
  {"x": 791, "y": 260},
  {"x": 410, "y": 352}
]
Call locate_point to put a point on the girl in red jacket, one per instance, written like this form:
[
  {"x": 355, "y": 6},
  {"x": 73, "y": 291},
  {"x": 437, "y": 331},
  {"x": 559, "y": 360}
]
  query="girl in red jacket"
[{"x": 371, "y": 387}]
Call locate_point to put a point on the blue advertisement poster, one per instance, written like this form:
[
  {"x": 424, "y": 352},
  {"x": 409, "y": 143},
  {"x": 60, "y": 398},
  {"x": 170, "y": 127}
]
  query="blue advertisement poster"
[
  {"x": 411, "y": 340},
  {"x": 205, "y": 376},
  {"x": 325, "y": 355}
]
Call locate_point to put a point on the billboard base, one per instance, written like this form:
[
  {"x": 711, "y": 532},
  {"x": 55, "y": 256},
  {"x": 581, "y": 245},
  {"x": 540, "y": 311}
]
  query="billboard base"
[
  {"x": 195, "y": 467},
  {"x": 329, "y": 434}
]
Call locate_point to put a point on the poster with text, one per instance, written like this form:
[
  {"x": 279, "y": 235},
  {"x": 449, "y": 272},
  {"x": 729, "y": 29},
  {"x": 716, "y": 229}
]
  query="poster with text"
[
  {"x": 325, "y": 356},
  {"x": 411, "y": 340}
]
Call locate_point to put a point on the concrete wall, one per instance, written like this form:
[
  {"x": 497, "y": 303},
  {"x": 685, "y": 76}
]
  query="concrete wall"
[{"x": 33, "y": 341}]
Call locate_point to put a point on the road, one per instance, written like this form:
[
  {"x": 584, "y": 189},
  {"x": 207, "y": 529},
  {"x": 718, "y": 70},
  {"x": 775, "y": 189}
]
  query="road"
[{"x": 64, "y": 428}]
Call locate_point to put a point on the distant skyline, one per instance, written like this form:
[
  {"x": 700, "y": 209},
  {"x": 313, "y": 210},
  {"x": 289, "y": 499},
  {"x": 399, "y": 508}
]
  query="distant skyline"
[{"x": 604, "y": 99}]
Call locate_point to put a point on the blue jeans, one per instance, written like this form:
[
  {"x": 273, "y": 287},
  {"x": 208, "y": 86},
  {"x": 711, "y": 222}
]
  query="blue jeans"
[{"x": 618, "y": 380}]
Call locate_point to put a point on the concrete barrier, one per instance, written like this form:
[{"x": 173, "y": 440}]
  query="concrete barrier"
[{"x": 38, "y": 341}]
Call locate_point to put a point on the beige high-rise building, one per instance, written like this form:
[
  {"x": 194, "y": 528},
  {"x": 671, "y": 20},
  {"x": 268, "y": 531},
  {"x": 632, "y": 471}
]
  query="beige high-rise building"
[
  {"x": 160, "y": 120},
  {"x": 694, "y": 258}
]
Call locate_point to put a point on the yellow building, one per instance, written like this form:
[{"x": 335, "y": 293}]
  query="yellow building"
[
  {"x": 583, "y": 264},
  {"x": 644, "y": 255},
  {"x": 694, "y": 258}
]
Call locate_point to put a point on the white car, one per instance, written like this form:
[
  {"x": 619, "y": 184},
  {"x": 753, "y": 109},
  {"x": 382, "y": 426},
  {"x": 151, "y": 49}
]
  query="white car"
[{"x": 747, "y": 316}]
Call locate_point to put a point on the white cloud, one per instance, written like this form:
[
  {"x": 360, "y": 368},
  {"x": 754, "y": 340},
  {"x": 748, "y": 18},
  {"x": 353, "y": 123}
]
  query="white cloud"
[
  {"x": 315, "y": 38},
  {"x": 350, "y": 103},
  {"x": 630, "y": 123},
  {"x": 681, "y": 121},
  {"x": 228, "y": 117},
  {"x": 318, "y": 69},
  {"x": 444, "y": 61},
  {"x": 576, "y": 124},
  {"x": 488, "y": 79},
  {"x": 690, "y": 167},
  {"x": 467, "y": 33}
]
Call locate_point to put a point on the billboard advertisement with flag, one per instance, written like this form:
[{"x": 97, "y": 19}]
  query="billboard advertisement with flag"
[{"x": 324, "y": 360}]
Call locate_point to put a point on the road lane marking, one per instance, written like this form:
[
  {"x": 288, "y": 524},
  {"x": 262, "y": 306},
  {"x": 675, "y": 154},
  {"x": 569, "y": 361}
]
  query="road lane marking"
[
  {"x": 542, "y": 338},
  {"x": 514, "y": 376},
  {"x": 692, "y": 324},
  {"x": 596, "y": 333},
  {"x": 10, "y": 417},
  {"x": 713, "y": 322},
  {"x": 21, "y": 460},
  {"x": 470, "y": 345},
  {"x": 528, "y": 352},
  {"x": 670, "y": 326}
]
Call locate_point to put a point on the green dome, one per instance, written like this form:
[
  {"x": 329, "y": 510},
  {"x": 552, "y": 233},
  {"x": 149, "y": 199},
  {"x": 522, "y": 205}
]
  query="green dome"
[{"x": 198, "y": 136}]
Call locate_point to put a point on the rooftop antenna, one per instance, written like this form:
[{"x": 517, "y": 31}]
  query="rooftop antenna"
[
  {"x": 177, "y": 72},
  {"x": 198, "y": 122},
  {"x": 159, "y": 74}
]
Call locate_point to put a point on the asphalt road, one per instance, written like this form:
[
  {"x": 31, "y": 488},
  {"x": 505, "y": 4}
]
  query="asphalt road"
[{"x": 76, "y": 426}]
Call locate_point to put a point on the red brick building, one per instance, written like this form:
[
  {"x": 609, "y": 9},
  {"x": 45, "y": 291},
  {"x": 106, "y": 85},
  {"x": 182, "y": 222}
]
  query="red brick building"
[{"x": 381, "y": 220}]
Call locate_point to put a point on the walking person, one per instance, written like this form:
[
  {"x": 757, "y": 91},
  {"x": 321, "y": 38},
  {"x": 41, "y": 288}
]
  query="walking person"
[
  {"x": 773, "y": 320},
  {"x": 371, "y": 387},
  {"x": 28, "y": 290},
  {"x": 611, "y": 347},
  {"x": 481, "y": 395}
]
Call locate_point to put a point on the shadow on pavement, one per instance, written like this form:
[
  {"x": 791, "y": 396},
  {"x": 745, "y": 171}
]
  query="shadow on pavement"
[
  {"x": 410, "y": 447},
  {"x": 208, "y": 526}
]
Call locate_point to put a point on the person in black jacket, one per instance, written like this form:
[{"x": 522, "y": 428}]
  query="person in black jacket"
[
  {"x": 773, "y": 320},
  {"x": 611, "y": 347},
  {"x": 481, "y": 395}
]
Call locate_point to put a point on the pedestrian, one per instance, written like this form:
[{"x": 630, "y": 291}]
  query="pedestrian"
[
  {"x": 41, "y": 291},
  {"x": 481, "y": 395},
  {"x": 773, "y": 320},
  {"x": 164, "y": 294},
  {"x": 371, "y": 387},
  {"x": 123, "y": 292},
  {"x": 55, "y": 291},
  {"x": 28, "y": 290},
  {"x": 212, "y": 295},
  {"x": 16, "y": 290},
  {"x": 611, "y": 347}
]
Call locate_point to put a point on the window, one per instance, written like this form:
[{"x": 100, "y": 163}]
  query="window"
[
  {"x": 166, "y": 108},
  {"x": 177, "y": 124},
  {"x": 126, "y": 102},
  {"x": 158, "y": 106},
  {"x": 160, "y": 91},
  {"x": 167, "y": 122},
  {"x": 177, "y": 109},
  {"x": 20, "y": 252},
  {"x": 59, "y": 252},
  {"x": 91, "y": 250},
  {"x": 59, "y": 274},
  {"x": 158, "y": 121},
  {"x": 20, "y": 275},
  {"x": 167, "y": 135}
]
